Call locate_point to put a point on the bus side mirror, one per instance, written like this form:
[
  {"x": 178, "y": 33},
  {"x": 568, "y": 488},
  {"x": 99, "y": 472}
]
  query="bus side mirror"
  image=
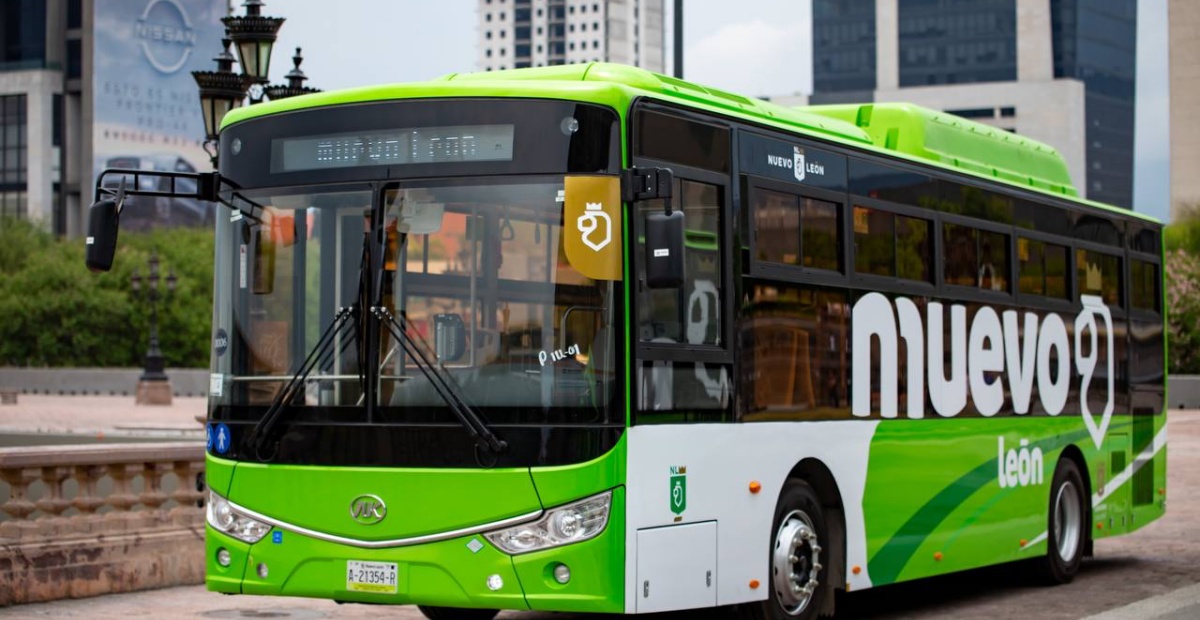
[
  {"x": 664, "y": 231},
  {"x": 664, "y": 250},
  {"x": 103, "y": 221}
]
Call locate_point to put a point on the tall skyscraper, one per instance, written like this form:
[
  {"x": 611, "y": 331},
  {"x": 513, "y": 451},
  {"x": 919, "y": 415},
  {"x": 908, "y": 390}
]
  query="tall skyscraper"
[
  {"x": 535, "y": 33},
  {"x": 1060, "y": 71},
  {"x": 1184, "y": 18}
]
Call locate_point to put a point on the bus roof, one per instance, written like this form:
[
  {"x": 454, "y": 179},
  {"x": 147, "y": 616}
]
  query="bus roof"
[
  {"x": 957, "y": 142},
  {"x": 901, "y": 130}
]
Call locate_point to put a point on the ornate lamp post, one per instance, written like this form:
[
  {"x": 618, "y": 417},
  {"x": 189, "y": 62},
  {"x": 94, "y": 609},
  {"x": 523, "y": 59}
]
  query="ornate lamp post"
[
  {"x": 253, "y": 36},
  {"x": 220, "y": 91},
  {"x": 154, "y": 387},
  {"x": 295, "y": 85}
]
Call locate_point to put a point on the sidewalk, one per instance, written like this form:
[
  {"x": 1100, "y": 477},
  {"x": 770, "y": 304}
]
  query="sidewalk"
[
  {"x": 196, "y": 602},
  {"x": 102, "y": 415}
]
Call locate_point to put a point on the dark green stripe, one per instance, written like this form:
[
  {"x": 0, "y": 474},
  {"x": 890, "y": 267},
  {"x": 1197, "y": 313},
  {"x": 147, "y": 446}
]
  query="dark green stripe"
[{"x": 890, "y": 560}]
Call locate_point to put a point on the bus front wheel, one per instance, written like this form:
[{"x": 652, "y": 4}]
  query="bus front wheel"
[
  {"x": 798, "y": 558},
  {"x": 454, "y": 613},
  {"x": 1066, "y": 524}
]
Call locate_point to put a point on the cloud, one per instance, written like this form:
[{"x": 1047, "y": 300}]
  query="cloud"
[{"x": 753, "y": 58}]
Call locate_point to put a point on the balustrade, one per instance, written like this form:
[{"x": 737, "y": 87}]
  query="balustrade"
[{"x": 59, "y": 490}]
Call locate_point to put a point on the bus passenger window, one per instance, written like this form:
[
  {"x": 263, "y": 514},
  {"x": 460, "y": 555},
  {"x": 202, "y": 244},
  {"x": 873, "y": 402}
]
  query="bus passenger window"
[
  {"x": 886, "y": 244},
  {"x": 914, "y": 248},
  {"x": 973, "y": 257},
  {"x": 819, "y": 234},
  {"x": 1042, "y": 268},
  {"x": 1144, "y": 285},
  {"x": 1031, "y": 277},
  {"x": 795, "y": 230},
  {"x": 1099, "y": 274},
  {"x": 959, "y": 247},
  {"x": 993, "y": 261},
  {"x": 795, "y": 363},
  {"x": 874, "y": 242},
  {"x": 777, "y": 227}
]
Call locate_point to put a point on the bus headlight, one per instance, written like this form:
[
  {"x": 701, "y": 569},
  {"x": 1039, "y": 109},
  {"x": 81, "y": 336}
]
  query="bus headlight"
[
  {"x": 574, "y": 522},
  {"x": 224, "y": 516}
]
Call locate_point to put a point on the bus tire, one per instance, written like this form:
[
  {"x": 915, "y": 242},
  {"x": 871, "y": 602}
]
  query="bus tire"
[
  {"x": 1066, "y": 525},
  {"x": 455, "y": 613},
  {"x": 799, "y": 559}
]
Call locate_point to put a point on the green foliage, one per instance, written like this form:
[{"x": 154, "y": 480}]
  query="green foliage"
[
  {"x": 57, "y": 313},
  {"x": 1182, "y": 275},
  {"x": 1183, "y": 311},
  {"x": 1184, "y": 233}
]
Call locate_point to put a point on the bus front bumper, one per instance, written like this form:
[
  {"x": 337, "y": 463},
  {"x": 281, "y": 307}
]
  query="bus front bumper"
[{"x": 461, "y": 572}]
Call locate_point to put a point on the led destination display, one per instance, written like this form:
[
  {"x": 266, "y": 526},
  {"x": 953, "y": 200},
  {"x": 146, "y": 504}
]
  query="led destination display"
[{"x": 421, "y": 145}]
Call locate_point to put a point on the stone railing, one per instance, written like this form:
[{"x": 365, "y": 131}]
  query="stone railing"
[{"x": 85, "y": 520}]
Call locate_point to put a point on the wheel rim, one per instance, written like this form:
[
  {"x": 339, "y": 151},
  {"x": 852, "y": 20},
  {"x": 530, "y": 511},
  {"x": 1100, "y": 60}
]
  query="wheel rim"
[
  {"x": 1068, "y": 521},
  {"x": 795, "y": 562}
]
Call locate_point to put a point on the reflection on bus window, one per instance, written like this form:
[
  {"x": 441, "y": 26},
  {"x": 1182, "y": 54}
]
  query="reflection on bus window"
[
  {"x": 1042, "y": 268},
  {"x": 886, "y": 244},
  {"x": 796, "y": 230},
  {"x": 536, "y": 330},
  {"x": 1099, "y": 274},
  {"x": 973, "y": 257},
  {"x": 795, "y": 362}
]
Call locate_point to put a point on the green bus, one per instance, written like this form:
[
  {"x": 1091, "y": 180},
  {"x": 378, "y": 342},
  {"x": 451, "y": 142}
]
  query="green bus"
[{"x": 587, "y": 338}]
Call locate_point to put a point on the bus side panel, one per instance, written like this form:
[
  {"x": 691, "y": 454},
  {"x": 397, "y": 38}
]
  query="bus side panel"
[
  {"x": 939, "y": 497},
  {"x": 686, "y": 474},
  {"x": 950, "y": 495}
]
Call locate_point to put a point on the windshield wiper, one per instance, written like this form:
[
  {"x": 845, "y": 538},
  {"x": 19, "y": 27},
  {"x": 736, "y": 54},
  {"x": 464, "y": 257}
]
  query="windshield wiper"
[
  {"x": 445, "y": 386},
  {"x": 346, "y": 316},
  {"x": 260, "y": 435}
]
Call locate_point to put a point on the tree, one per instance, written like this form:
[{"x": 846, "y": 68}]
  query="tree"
[
  {"x": 56, "y": 313},
  {"x": 1182, "y": 276}
]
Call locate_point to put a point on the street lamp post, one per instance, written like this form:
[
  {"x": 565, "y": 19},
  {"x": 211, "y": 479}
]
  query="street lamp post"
[
  {"x": 220, "y": 91},
  {"x": 154, "y": 387},
  {"x": 253, "y": 36}
]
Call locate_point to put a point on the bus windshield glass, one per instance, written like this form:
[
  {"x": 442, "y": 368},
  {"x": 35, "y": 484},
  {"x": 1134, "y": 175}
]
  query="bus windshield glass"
[{"x": 474, "y": 272}]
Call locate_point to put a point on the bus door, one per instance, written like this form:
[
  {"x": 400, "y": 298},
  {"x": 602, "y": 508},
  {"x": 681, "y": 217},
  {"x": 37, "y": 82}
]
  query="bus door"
[
  {"x": 683, "y": 371},
  {"x": 685, "y": 364}
]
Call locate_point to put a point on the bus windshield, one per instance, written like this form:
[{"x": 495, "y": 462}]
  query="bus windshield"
[{"x": 474, "y": 271}]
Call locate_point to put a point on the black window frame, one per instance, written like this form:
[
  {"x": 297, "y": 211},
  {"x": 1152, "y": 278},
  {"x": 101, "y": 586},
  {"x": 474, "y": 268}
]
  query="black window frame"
[
  {"x": 782, "y": 271},
  {"x": 1119, "y": 309},
  {"x": 893, "y": 284},
  {"x": 960, "y": 291},
  {"x": 1138, "y": 311},
  {"x": 1047, "y": 301},
  {"x": 683, "y": 352}
]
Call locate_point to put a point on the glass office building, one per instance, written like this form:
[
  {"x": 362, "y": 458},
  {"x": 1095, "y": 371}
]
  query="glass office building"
[{"x": 964, "y": 42}]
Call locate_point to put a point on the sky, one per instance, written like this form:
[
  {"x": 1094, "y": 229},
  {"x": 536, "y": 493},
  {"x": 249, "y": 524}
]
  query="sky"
[{"x": 362, "y": 42}]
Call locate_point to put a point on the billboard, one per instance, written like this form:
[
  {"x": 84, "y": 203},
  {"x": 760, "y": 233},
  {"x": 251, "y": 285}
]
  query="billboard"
[{"x": 146, "y": 107}]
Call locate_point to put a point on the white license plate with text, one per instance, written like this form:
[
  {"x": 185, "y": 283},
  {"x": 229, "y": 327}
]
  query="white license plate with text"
[{"x": 375, "y": 577}]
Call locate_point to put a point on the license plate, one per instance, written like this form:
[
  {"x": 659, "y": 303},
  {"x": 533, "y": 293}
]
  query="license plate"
[{"x": 374, "y": 577}]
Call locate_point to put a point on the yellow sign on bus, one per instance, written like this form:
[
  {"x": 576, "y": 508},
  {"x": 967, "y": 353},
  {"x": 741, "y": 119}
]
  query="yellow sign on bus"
[{"x": 592, "y": 225}]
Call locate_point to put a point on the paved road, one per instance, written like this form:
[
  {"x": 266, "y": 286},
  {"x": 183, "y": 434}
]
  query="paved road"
[{"x": 1153, "y": 573}]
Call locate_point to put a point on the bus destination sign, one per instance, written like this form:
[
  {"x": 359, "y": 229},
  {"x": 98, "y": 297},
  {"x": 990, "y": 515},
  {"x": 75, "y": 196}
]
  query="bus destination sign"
[{"x": 420, "y": 145}]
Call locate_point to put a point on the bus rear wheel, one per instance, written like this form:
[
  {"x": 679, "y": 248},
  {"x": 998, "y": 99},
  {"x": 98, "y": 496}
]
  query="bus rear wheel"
[
  {"x": 455, "y": 613},
  {"x": 1066, "y": 525},
  {"x": 798, "y": 558}
]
